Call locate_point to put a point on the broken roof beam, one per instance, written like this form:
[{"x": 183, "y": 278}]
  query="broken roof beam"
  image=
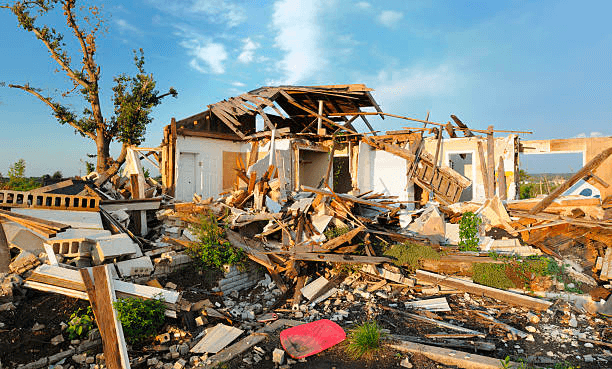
[
  {"x": 586, "y": 170},
  {"x": 466, "y": 130}
]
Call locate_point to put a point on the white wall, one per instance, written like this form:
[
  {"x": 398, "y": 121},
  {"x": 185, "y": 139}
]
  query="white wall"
[
  {"x": 380, "y": 171},
  {"x": 208, "y": 170}
]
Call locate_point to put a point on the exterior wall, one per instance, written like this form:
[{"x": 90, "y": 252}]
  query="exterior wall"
[
  {"x": 504, "y": 147},
  {"x": 589, "y": 147},
  {"x": 207, "y": 167}
]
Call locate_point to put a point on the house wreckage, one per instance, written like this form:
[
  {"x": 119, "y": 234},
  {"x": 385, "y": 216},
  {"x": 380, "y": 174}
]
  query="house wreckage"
[{"x": 302, "y": 197}]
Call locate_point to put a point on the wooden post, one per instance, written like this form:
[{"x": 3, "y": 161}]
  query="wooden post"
[
  {"x": 5, "y": 254},
  {"x": 172, "y": 158},
  {"x": 319, "y": 119},
  {"x": 502, "y": 190},
  {"x": 435, "y": 164},
  {"x": 590, "y": 166},
  {"x": 483, "y": 169},
  {"x": 491, "y": 161}
]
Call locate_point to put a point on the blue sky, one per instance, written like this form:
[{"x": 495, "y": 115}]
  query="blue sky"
[{"x": 543, "y": 66}]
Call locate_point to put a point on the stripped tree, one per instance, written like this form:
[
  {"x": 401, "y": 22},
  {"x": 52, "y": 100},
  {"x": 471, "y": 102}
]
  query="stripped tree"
[{"x": 133, "y": 96}]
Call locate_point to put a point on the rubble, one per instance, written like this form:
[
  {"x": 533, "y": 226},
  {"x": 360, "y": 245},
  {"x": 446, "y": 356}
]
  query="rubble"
[{"x": 303, "y": 205}]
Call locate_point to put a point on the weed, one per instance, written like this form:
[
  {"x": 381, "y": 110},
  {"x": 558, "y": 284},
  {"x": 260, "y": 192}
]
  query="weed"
[
  {"x": 364, "y": 339},
  {"x": 468, "y": 232},
  {"x": 410, "y": 254},
  {"x": 212, "y": 250},
  {"x": 506, "y": 363},
  {"x": 492, "y": 275},
  {"x": 80, "y": 324},
  {"x": 141, "y": 319}
]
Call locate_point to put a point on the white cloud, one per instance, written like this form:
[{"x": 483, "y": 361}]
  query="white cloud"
[
  {"x": 394, "y": 87},
  {"x": 231, "y": 13},
  {"x": 126, "y": 27},
  {"x": 596, "y": 134},
  {"x": 208, "y": 56},
  {"x": 364, "y": 5},
  {"x": 299, "y": 35},
  {"x": 248, "y": 51},
  {"x": 215, "y": 11},
  {"x": 592, "y": 134},
  {"x": 389, "y": 18},
  {"x": 238, "y": 84}
]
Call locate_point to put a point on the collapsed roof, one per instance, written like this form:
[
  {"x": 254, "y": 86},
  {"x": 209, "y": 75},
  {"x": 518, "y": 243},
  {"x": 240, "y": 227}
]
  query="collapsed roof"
[{"x": 291, "y": 107}]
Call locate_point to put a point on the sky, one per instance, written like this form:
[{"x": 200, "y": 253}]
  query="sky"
[{"x": 540, "y": 66}]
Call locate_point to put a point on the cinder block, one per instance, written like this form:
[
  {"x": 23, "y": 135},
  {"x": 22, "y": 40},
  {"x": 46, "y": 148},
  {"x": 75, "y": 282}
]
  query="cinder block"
[
  {"x": 133, "y": 267},
  {"x": 112, "y": 247}
]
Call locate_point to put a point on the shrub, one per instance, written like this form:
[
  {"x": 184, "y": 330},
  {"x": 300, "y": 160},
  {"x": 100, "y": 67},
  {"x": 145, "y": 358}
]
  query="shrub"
[
  {"x": 80, "y": 324},
  {"x": 141, "y": 319},
  {"x": 364, "y": 339},
  {"x": 492, "y": 275},
  {"x": 212, "y": 250},
  {"x": 468, "y": 232}
]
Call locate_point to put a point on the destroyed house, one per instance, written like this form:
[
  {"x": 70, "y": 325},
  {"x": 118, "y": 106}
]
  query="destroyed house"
[{"x": 308, "y": 139}]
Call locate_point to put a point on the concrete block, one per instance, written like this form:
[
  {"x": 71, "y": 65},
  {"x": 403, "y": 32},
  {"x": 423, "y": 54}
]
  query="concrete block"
[
  {"x": 27, "y": 240},
  {"x": 112, "y": 247},
  {"x": 72, "y": 247},
  {"x": 133, "y": 267},
  {"x": 278, "y": 356}
]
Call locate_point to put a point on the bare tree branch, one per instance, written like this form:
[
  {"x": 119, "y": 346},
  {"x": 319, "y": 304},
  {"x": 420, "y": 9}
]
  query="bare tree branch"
[{"x": 54, "y": 107}]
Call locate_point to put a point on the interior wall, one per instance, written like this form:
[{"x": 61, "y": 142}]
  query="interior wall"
[
  {"x": 380, "y": 171},
  {"x": 312, "y": 167}
]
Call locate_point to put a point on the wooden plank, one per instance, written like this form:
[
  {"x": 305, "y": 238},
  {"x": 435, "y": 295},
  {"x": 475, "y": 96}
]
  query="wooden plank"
[
  {"x": 347, "y": 237},
  {"x": 446, "y": 356},
  {"x": 335, "y": 258},
  {"x": 101, "y": 296},
  {"x": 483, "y": 169},
  {"x": 46, "y": 223},
  {"x": 437, "y": 323},
  {"x": 476, "y": 289},
  {"x": 588, "y": 168},
  {"x": 55, "y": 186},
  {"x": 345, "y": 197}
]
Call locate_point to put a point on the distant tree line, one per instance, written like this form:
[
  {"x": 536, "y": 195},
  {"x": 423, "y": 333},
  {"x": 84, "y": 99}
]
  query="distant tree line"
[{"x": 17, "y": 181}]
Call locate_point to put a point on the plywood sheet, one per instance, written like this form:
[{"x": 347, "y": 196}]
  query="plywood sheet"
[
  {"x": 216, "y": 339},
  {"x": 229, "y": 165}
]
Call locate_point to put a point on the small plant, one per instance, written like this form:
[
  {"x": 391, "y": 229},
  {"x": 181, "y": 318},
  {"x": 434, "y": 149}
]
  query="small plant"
[
  {"x": 334, "y": 232},
  {"x": 364, "y": 339},
  {"x": 80, "y": 324},
  {"x": 212, "y": 250},
  {"x": 468, "y": 232},
  {"x": 141, "y": 319},
  {"x": 506, "y": 363}
]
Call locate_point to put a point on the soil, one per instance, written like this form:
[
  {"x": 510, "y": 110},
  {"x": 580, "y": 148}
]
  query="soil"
[{"x": 18, "y": 343}]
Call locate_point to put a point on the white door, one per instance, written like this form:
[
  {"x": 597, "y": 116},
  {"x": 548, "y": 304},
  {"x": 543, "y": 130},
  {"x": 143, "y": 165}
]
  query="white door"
[{"x": 186, "y": 176}]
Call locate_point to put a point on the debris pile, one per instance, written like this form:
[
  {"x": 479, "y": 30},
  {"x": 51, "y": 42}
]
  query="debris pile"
[{"x": 481, "y": 282}]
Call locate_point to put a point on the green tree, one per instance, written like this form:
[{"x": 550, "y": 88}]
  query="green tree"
[
  {"x": 57, "y": 175},
  {"x": 133, "y": 96},
  {"x": 17, "y": 180},
  {"x": 17, "y": 170}
]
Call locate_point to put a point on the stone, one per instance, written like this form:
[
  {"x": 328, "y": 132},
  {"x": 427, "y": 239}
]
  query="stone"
[
  {"x": 573, "y": 322},
  {"x": 278, "y": 356},
  {"x": 152, "y": 362},
  {"x": 530, "y": 328},
  {"x": 79, "y": 359},
  {"x": 37, "y": 327},
  {"x": 57, "y": 340},
  {"x": 90, "y": 360},
  {"x": 179, "y": 364},
  {"x": 406, "y": 363},
  {"x": 588, "y": 345},
  {"x": 588, "y": 358},
  {"x": 170, "y": 286},
  {"x": 533, "y": 318}
]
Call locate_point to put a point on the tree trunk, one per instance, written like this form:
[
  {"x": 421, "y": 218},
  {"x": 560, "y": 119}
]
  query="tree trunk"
[{"x": 103, "y": 151}]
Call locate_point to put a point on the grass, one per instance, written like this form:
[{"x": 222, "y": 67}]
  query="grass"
[
  {"x": 364, "y": 339},
  {"x": 410, "y": 254},
  {"x": 492, "y": 275}
]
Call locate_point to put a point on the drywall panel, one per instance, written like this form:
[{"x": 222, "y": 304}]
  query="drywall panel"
[
  {"x": 380, "y": 171},
  {"x": 75, "y": 219}
]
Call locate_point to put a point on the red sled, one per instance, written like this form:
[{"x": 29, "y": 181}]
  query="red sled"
[{"x": 311, "y": 338}]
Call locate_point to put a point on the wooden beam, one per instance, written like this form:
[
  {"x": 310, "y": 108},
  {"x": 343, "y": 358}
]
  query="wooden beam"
[
  {"x": 347, "y": 237},
  {"x": 502, "y": 189},
  {"x": 334, "y": 258},
  {"x": 451, "y": 357},
  {"x": 483, "y": 169},
  {"x": 588, "y": 168},
  {"x": 490, "y": 161},
  {"x": 466, "y": 131},
  {"x": 476, "y": 289},
  {"x": 345, "y": 197}
]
